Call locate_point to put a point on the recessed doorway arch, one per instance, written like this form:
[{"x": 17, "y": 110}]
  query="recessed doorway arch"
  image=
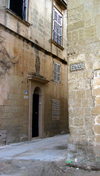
[{"x": 36, "y": 87}]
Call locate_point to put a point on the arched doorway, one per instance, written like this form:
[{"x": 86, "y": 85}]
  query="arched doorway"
[
  {"x": 35, "y": 113},
  {"x": 36, "y": 87}
]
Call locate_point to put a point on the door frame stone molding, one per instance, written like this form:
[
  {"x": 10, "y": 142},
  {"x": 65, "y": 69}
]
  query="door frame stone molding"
[{"x": 34, "y": 82}]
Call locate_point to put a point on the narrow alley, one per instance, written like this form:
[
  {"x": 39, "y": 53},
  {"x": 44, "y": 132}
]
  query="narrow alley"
[{"x": 39, "y": 157}]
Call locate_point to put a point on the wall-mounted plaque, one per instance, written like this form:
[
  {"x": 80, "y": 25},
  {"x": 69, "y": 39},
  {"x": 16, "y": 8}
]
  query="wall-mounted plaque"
[
  {"x": 25, "y": 97},
  {"x": 77, "y": 66}
]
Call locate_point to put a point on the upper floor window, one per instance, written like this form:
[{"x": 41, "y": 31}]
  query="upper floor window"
[
  {"x": 56, "y": 72},
  {"x": 19, "y": 7},
  {"x": 57, "y": 26}
]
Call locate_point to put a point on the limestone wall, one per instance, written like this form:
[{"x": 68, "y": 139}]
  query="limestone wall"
[
  {"x": 30, "y": 43},
  {"x": 83, "y": 83},
  {"x": 38, "y": 27}
]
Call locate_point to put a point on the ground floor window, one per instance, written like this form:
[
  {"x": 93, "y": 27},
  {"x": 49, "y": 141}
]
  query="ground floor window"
[{"x": 55, "y": 109}]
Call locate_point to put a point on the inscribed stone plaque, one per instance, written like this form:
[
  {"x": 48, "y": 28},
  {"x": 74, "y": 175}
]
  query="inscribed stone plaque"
[
  {"x": 77, "y": 66},
  {"x": 25, "y": 97}
]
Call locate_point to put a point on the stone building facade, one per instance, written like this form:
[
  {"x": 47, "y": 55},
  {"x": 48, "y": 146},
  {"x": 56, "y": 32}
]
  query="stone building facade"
[
  {"x": 84, "y": 76},
  {"x": 33, "y": 69}
]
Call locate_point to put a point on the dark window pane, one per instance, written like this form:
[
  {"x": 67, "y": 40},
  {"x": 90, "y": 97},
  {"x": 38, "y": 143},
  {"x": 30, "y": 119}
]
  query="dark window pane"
[
  {"x": 55, "y": 37},
  {"x": 55, "y": 15},
  {"x": 59, "y": 40},
  {"x": 58, "y": 77},
  {"x": 54, "y": 76},
  {"x": 55, "y": 27},
  {"x": 58, "y": 68},
  {"x": 55, "y": 67},
  {"x": 59, "y": 30},
  {"x": 59, "y": 19},
  {"x": 17, "y": 7}
]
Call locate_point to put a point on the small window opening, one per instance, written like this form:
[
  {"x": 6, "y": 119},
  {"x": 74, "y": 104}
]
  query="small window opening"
[{"x": 19, "y": 7}]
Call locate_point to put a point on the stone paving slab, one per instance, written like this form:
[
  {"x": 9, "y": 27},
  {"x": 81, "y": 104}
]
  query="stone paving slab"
[{"x": 47, "y": 149}]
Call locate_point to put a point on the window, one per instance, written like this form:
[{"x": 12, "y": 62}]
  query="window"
[
  {"x": 55, "y": 109},
  {"x": 19, "y": 7},
  {"x": 57, "y": 26},
  {"x": 56, "y": 72}
]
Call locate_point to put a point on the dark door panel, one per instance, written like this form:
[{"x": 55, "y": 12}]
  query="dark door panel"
[{"x": 35, "y": 117}]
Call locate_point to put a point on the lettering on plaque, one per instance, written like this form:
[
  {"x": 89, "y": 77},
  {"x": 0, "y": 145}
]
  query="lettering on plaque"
[
  {"x": 77, "y": 66},
  {"x": 25, "y": 97}
]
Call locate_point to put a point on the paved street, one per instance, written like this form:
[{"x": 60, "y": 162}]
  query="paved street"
[
  {"x": 47, "y": 149},
  {"x": 39, "y": 157}
]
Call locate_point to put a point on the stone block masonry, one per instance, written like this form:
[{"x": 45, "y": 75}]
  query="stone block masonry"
[
  {"x": 29, "y": 40},
  {"x": 84, "y": 84}
]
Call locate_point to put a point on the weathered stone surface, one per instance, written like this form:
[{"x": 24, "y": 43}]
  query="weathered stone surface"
[
  {"x": 76, "y": 25},
  {"x": 96, "y": 110},
  {"x": 31, "y": 42},
  {"x": 87, "y": 93},
  {"x": 88, "y": 111},
  {"x": 97, "y": 101},
  {"x": 77, "y": 112},
  {"x": 88, "y": 121},
  {"x": 88, "y": 75},
  {"x": 97, "y": 138},
  {"x": 90, "y": 33},
  {"x": 75, "y": 36},
  {"x": 78, "y": 122},
  {"x": 81, "y": 94},
  {"x": 81, "y": 35},
  {"x": 96, "y": 91},
  {"x": 85, "y": 103},
  {"x": 97, "y": 129},
  {"x": 72, "y": 94},
  {"x": 97, "y": 120}
]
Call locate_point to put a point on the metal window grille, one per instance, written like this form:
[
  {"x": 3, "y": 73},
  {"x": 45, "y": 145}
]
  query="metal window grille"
[
  {"x": 57, "y": 26},
  {"x": 55, "y": 109},
  {"x": 57, "y": 70}
]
